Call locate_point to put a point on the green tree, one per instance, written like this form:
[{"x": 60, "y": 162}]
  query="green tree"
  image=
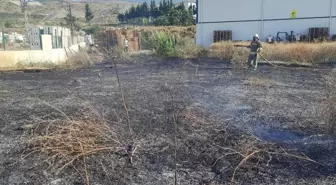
[
  {"x": 145, "y": 12},
  {"x": 165, "y": 14},
  {"x": 138, "y": 12},
  {"x": 127, "y": 15},
  {"x": 132, "y": 13},
  {"x": 188, "y": 18},
  {"x": 164, "y": 7},
  {"x": 175, "y": 17},
  {"x": 161, "y": 21},
  {"x": 170, "y": 4},
  {"x": 88, "y": 13},
  {"x": 181, "y": 6},
  {"x": 71, "y": 21},
  {"x": 154, "y": 11},
  {"x": 122, "y": 17}
]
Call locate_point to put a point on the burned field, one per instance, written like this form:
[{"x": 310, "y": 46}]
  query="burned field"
[{"x": 200, "y": 121}]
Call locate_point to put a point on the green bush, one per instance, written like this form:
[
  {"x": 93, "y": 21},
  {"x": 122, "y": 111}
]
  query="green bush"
[
  {"x": 8, "y": 24},
  {"x": 167, "y": 44},
  {"x": 92, "y": 30},
  {"x": 162, "y": 42}
]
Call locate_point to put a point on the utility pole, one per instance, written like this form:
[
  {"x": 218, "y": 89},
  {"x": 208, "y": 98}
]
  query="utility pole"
[
  {"x": 67, "y": 5},
  {"x": 23, "y": 6}
]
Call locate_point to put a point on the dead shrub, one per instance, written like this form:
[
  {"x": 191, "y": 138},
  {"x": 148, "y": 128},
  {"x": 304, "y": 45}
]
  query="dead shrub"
[
  {"x": 187, "y": 48},
  {"x": 240, "y": 58},
  {"x": 223, "y": 50},
  {"x": 77, "y": 60},
  {"x": 65, "y": 141},
  {"x": 227, "y": 51},
  {"x": 178, "y": 30},
  {"x": 325, "y": 53}
]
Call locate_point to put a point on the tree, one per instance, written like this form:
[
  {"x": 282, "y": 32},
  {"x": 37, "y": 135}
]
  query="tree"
[
  {"x": 161, "y": 21},
  {"x": 175, "y": 17},
  {"x": 170, "y": 4},
  {"x": 88, "y": 13},
  {"x": 138, "y": 12},
  {"x": 127, "y": 15},
  {"x": 154, "y": 11},
  {"x": 165, "y": 14},
  {"x": 122, "y": 17},
  {"x": 181, "y": 6},
  {"x": 188, "y": 18},
  {"x": 132, "y": 13},
  {"x": 145, "y": 10},
  {"x": 70, "y": 19}
]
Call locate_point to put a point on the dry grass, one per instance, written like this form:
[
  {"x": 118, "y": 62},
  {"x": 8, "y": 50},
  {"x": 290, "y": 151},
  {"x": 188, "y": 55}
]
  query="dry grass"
[
  {"x": 66, "y": 140},
  {"x": 189, "y": 31},
  {"x": 187, "y": 49},
  {"x": 223, "y": 50},
  {"x": 294, "y": 53},
  {"x": 75, "y": 60},
  {"x": 258, "y": 81},
  {"x": 245, "y": 152},
  {"x": 233, "y": 153}
]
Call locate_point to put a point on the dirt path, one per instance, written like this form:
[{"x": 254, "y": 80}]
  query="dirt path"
[{"x": 276, "y": 105}]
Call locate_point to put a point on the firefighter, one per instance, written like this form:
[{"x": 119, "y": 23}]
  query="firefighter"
[{"x": 255, "y": 47}]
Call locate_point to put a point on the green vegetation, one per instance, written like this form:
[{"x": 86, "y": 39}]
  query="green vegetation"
[
  {"x": 71, "y": 20},
  {"x": 166, "y": 14},
  {"x": 88, "y": 12},
  {"x": 92, "y": 30},
  {"x": 167, "y": 44},
  {"x": 8, "y": 24},
  {"x": 162, "y": 42}
]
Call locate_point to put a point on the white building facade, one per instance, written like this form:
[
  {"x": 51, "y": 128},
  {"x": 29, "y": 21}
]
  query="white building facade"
[{"x": 264, "y": 17}]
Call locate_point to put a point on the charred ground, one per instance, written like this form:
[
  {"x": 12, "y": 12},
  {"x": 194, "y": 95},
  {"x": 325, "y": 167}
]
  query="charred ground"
[{"x": 223, "y": 115}]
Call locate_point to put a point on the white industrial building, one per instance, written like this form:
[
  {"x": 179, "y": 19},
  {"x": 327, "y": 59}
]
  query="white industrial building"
[{"x": 265, "y": 17}]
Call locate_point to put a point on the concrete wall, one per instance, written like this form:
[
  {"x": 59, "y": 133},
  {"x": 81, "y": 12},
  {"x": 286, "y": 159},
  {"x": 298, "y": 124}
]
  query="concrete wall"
[
  {"x": 265, "y": 17},
  {"x": 47, "y": 54}
]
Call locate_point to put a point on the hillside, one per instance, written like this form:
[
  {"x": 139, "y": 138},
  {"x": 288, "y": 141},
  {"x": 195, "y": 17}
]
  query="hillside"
[{"x": 51, "y": 12}]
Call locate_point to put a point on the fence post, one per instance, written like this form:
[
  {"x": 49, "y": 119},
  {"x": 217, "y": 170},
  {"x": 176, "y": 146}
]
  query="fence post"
[{"x": 3, "y": 40}]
